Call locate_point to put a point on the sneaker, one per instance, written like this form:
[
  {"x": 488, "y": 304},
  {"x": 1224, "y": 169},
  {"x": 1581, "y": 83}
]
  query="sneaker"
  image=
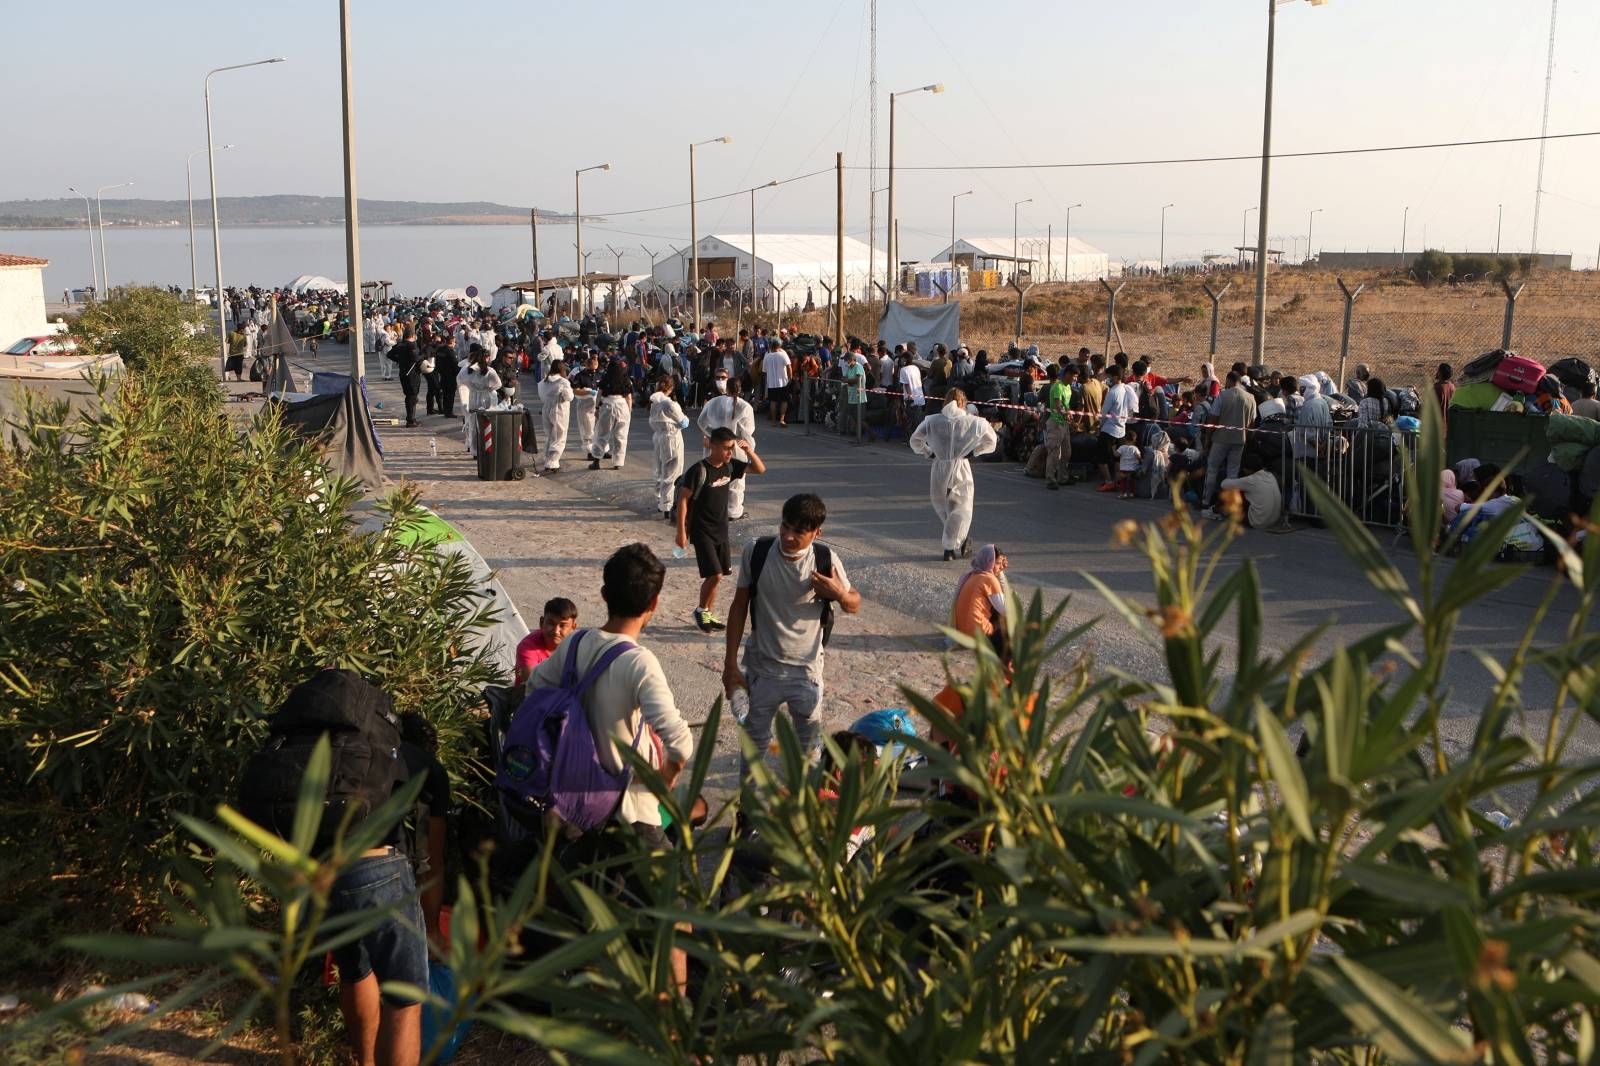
[
  {"x": 551, "y": 471},
  {"x": 966, "y": 548},
  {"x": 949, "y": 556},
  {"x": 1107, "y": 486},
  {"x": 704, "y": 621},
  {"x": 739, "y": 517},
  {"x": 717, "y": 624},
  {"x": 594, "y": 464},
  {"x": 1211, "y": 514}
]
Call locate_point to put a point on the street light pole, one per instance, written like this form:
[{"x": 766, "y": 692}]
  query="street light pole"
[
  {"x": 953, "y": 200},
  {"x": 1311, "y": 221},
  {"x": 188, "y": 180},
  {"x": 1014, "y": 207},
  {"x": 1244, "y": 231},
  {"x": 105, "y": 269},
  {"x": 1500, "y": 216},
  {"x": 88, "y": 227},
  {"x": 890, "y": 242},
  {"x": 216, "y": 224},
  {"x": 694, "y": 236},
  {"x": 1405, "y": 223},
  {"x": 577, "y": 218},
  {"x": 1164, "y": 239},
  {"x": 1066, "y": 262}
]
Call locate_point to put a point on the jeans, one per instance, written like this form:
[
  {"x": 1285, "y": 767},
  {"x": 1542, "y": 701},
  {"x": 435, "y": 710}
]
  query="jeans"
[
  {"x": 804, "y": 699},
  {"x": 397, "y": 950}
]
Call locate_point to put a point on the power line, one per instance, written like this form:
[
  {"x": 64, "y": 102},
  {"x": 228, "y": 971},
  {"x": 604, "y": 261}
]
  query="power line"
[
  {"x": 1253, "y": 157},
  {"x": 706, "y": 199}
]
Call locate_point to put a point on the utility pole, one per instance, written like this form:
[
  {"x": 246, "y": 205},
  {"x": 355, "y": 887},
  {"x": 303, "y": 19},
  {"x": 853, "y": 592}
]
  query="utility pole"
[
  {"x": 352, "y": 225},
  {"x": 533, "y": 227},
  {"x": 838, "y": 266},
  {"x": 872, "y": 143},
  {"x": 1258, "y": 342}
]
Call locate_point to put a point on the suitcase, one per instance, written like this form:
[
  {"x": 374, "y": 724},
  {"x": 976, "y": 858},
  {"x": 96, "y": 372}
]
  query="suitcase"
[
  {"x": 1518, "y": 373},
  {"x": 1482, "y": 368}
]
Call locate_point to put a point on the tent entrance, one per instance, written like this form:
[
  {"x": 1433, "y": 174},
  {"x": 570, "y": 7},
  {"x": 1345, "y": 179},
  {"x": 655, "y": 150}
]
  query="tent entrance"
[{"x": 720, "y": 268}]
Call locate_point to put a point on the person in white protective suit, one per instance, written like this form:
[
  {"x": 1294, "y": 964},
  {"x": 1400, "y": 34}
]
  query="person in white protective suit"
[
  {"x": 667, "y": 423},
  {"x": 555, "y": 401},
  {"x": 728, "y": 409},
  {"x": 549, "y": 354},
  {"x": 481, "y": 382},
  {"x": 951, "y": 438},
  {"x": 615, "y": 414},
  {"x": 586, "y": 389}
]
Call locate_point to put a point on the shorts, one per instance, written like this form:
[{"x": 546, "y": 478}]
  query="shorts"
[
  {"x": 780, "y": 394},
  {"x": 396, "y": 950},
  {"x": 1108, "y": 448},
  {"x": 712, "y": 554}
]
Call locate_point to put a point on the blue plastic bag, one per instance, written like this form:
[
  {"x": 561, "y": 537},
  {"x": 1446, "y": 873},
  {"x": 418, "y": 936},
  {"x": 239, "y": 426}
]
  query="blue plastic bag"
[{"x": 442, "y": 983}]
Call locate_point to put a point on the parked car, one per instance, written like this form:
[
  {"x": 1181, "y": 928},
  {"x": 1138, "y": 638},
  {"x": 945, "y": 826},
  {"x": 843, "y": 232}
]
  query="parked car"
[{"x": 49, "y": 344}]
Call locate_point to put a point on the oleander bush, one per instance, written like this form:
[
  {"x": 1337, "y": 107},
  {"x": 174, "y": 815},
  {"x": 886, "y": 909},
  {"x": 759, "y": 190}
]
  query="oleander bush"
[
  {"x": 1265, "y": 856},
  {"x": 167, "y": 577}
]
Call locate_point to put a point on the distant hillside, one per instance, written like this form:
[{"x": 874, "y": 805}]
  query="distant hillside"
[{"x": 264, "y": 211}]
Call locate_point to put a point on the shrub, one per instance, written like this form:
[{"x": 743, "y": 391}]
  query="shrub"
[
  {"x": 167, "y": 581},
  {"x": 148, "y": 327},
  {"x": 1433, "y": 265},
  {"x": 1272, "y": 863}
]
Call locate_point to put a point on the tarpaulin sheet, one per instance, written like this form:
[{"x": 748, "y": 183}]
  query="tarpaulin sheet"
[
  {"x": 340, "y": 424},
  {"x": 937, "y": 324}
]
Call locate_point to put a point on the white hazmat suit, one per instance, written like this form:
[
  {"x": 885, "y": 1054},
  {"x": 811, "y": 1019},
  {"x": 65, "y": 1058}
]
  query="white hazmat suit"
[
  {"x": 555, "y": 399},
  {"x": 611, "y": 430},
  {"x": 666, "y": 424},
  {"x": 733, "y": 413},
  {"x": 950, "y": 438}
]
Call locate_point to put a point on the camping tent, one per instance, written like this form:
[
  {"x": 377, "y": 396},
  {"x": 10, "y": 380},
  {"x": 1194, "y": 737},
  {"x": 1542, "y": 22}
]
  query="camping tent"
[
  {"x": 455, "y": 295},
  {"x": 316, "y": 283},
  {"x": 430, "y": 530},
  {"x": 339, "y": 423}
]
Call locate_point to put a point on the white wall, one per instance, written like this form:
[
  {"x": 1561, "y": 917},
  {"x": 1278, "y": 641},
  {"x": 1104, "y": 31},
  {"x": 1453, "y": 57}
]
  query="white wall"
[{"x": 22, "y": 311}]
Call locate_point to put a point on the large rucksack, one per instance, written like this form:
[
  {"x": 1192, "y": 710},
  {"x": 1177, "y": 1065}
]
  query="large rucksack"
[
  {"x": 359, "y": 721},
  {"x": 824, "y": 566},
  {"x": 549, "y": 763}
]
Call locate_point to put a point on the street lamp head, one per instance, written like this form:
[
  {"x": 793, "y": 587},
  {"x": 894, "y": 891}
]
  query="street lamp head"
[
  {"x": 227, "y": 146},
  {"x": 605, "y": 166},
  {"x": 770, "y": 184},
  {"x": 1019, "y": 203},
  {"x": 939, "y": 88},
  {"x": 1165, "y": 206},
  {"x": 726, "y": 140}
]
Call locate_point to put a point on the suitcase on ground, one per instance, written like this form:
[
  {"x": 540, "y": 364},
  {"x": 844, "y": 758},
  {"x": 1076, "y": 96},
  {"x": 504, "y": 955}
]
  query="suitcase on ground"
[
  {"x": 1481, "y": 368},
  {"x": 1518, "y": 373}
]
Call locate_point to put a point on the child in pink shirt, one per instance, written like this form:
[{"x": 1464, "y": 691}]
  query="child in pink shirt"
[{"x": 559, "y": 619}]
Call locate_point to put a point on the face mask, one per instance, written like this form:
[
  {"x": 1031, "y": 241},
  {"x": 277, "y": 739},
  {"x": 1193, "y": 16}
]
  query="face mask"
[{"x": 722, "y": 384}]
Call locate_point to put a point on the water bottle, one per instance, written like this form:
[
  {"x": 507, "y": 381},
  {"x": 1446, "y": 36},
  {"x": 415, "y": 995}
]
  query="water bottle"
[
  {"x": 679, "y": 553},
  {"x": 739, "y": 702},
  {"x": 1499, "y": 818},
  {"x": 433, "y": 447}
]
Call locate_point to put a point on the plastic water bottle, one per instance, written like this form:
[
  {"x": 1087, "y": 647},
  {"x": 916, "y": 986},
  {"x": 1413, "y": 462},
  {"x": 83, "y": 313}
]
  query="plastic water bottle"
[
  {"x": 131, "y": 1001},
  {"x": 1499, "y": 818},
  {"x": 433, "y": 447},
  {"x": 739, "y": 702},
  {"x": 679, "y": 553}
]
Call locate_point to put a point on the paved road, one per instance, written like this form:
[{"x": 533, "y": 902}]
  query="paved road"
[{"x": 880, "y": 517}]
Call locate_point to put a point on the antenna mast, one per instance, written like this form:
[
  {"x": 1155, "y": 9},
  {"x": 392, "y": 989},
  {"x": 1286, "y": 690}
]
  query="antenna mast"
[{"x": 1544, "y": 129}]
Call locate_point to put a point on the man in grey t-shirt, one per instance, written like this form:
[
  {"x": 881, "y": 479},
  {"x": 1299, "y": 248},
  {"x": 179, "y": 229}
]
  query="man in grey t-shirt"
[{"x": 783, "y": 657}]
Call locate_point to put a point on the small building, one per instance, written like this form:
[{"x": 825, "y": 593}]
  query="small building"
[
  {"x": 1046, "y": 259},
  {"x": 22, "y": 308},
  {"x": 802, "y": 264}
]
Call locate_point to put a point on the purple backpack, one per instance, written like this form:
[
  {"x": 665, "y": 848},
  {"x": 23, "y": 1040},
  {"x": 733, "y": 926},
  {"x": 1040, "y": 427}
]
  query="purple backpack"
[{"x": 549, "y": 762}]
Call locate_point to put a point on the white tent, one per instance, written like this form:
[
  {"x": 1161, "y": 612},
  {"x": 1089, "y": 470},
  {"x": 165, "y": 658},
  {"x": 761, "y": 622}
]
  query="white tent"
[
  {"x": 316, "y": 283},
  {"x": 796, "y": 261},
  {"x": 1046, "y": 258},
  {"x": 452, "y": 295}
]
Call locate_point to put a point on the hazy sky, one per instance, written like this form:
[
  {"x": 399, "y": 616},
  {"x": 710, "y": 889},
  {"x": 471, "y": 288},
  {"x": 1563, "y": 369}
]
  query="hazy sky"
[{"x": 502, "y": 101}]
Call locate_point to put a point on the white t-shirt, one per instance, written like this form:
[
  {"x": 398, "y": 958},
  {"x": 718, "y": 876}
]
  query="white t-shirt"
[
  {"x": 911, "y": 384},
  {"x": 775, "y": 366},
  {"x": 1119, "y": 402},
  {"x": 1128, "y": 458}
]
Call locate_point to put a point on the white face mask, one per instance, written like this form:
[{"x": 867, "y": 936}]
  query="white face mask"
[{"x": 722, "y": 384}]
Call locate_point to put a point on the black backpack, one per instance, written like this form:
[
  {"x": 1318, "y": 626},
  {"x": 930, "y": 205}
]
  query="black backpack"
[
  {"x": 758, "y": 559},
  {"x": 360, "y": 723}
]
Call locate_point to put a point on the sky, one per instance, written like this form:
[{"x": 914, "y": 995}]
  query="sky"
[{"x": 502, "y": 102}]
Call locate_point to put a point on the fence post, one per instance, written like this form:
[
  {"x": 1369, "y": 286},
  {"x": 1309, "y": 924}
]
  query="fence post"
[
  {"x": 777, "y": 300},
  {"x": 833, "y": 331},
  {"x": 1216, "y": 309},
  {"x": 1344, "y": 337},
  {"x": 1111, "y": 312},
  {"x": 1511, "y": 311},
  {"x": 1022, "y": 296},
  {"x": 944, "y": 290}
]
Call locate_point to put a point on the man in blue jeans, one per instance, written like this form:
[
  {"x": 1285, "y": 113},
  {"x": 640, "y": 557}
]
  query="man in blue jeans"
[{"x": 783, "y": 657}]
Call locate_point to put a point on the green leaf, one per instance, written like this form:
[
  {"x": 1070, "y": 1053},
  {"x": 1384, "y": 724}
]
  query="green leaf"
[
  {"x": 1404, "y": 885},
  {"x": 1272, "y": 1044},
  {"x": 1401, "y": 1026},
  {"x": 1285, "y": 771},
  {"x": 1360, "y": 545},
  {"x": 313, "y": 796}
]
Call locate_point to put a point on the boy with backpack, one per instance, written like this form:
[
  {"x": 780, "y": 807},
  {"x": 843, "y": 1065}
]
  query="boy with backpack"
[
  {"x": 374, "y": 753},
  {"x": 788, "y": 587},
  {"x": 702, "y": 515}
]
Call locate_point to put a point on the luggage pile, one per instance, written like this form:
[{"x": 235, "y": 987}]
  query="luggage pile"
[{"x": 1505, "y": 381}]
